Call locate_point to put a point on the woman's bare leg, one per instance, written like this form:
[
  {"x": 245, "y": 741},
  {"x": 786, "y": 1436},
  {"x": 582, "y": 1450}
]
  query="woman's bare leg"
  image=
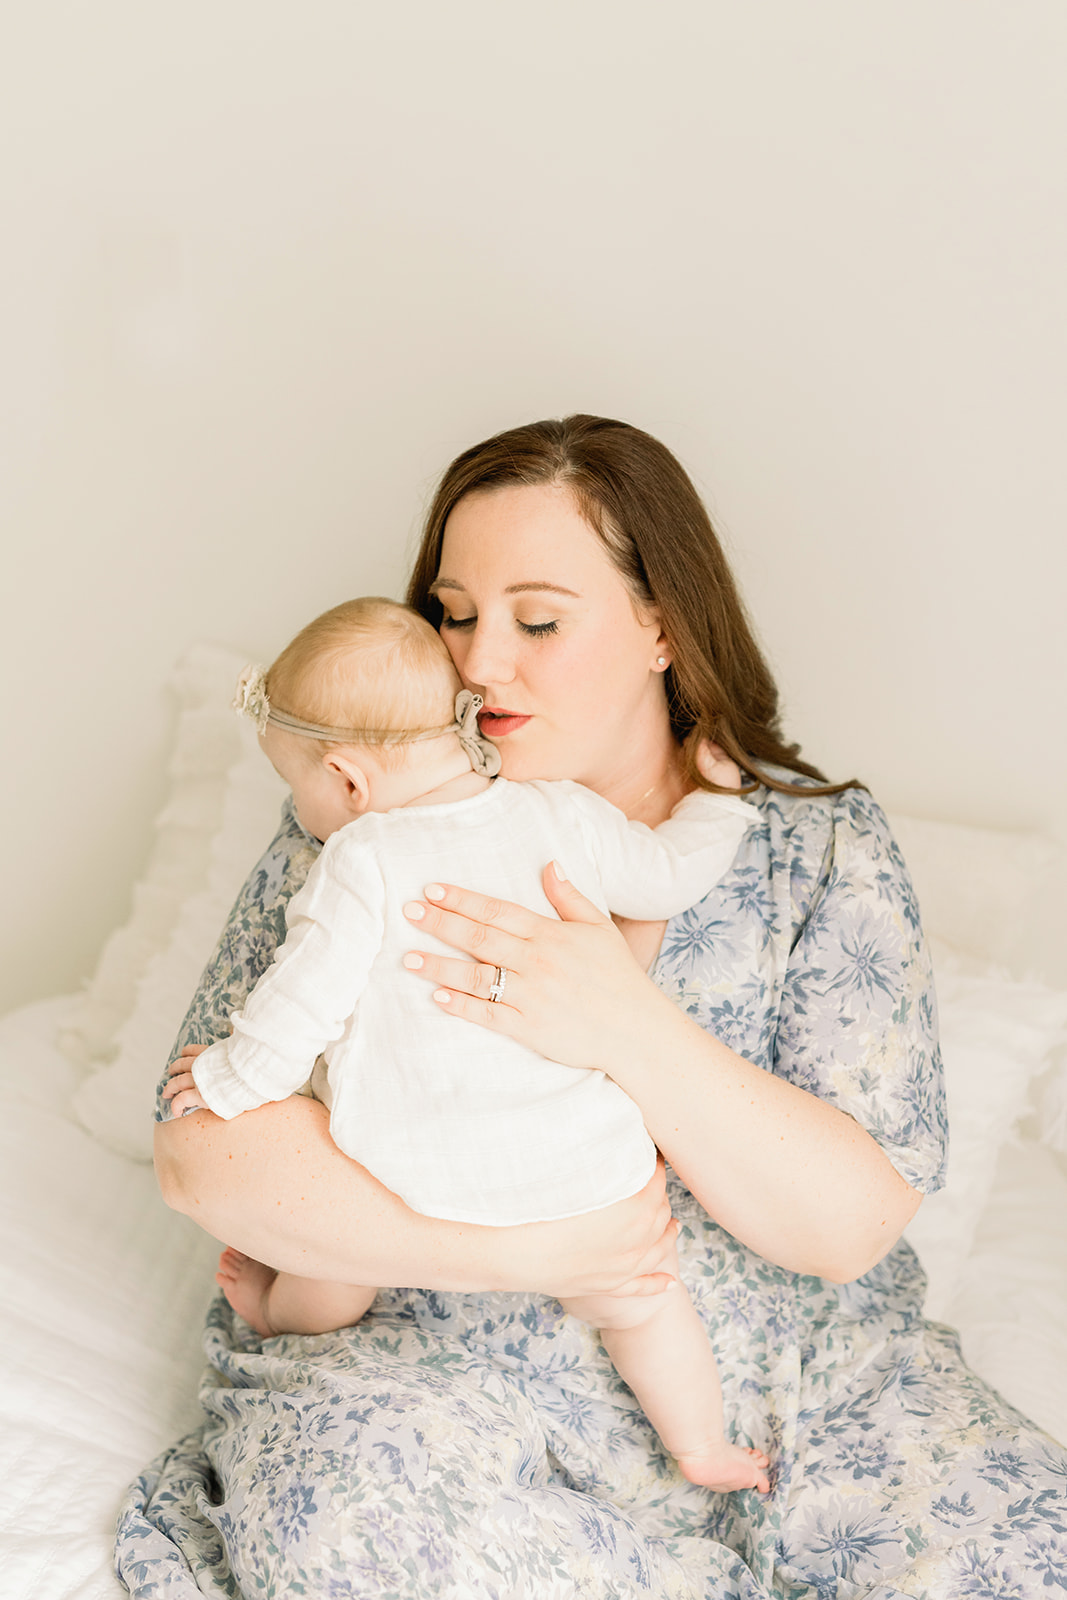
[{"x": 279, "y": 1302}]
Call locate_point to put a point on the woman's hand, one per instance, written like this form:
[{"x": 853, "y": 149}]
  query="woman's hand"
[
  {"x": 572, "y": 989},
  {"x": 623, "y": 1250},
  {"x": 716, "y": 766}
]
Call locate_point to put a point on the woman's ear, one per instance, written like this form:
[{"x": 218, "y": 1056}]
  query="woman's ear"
[
  {"x": 354, "y": 778},
  {"x": 652, "y": 622}
]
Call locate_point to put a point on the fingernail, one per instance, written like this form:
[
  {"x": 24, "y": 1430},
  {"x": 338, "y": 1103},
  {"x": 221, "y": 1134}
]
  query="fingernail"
[
  {"x": 442, "y": 997},
  {"x": 412, "y": 961},
  {"x": 434, "y": 891},
  {"x": 558, "y": 870},
  {"x": 414, "y": 912},
  {"x": 189, "y": 1110}
]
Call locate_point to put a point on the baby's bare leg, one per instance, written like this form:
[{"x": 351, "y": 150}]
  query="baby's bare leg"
[
  {"x": 277, "y": 1302},
  {"x": 660, "y": 1347}
]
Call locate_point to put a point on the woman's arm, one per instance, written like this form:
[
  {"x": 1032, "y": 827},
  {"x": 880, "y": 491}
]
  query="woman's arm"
[
  {"x": 788, "y": 1174},
  {"x": 273, "y": 1183},
  {"x": 794, "y": 1178}
]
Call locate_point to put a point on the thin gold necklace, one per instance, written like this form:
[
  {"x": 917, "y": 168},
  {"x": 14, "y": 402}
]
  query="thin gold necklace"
[{"x": 657, "y": 785}]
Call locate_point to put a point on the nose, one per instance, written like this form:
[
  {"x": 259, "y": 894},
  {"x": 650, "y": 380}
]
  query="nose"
[{"x": 487, "y": 658}]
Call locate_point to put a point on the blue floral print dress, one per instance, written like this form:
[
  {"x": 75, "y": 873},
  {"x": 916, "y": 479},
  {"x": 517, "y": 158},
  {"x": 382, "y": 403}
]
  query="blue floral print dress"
[{"x": 482, "y": 1447}]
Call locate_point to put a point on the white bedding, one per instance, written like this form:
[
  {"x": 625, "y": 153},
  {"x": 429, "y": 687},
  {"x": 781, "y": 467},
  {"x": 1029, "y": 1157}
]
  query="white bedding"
[
  {"x": 104, "y": 1292},
  {"x": 102, "y": 1300}
]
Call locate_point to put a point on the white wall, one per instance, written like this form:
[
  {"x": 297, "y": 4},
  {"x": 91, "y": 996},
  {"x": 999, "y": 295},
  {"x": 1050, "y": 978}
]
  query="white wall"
[{"x": 266, "y": 267}]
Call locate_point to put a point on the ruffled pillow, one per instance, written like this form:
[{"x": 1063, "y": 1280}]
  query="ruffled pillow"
[{"x": 221, "y": 812}]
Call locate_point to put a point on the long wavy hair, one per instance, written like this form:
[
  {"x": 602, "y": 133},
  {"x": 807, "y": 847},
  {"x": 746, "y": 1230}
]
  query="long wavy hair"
[{"x": 641, "y": 503}]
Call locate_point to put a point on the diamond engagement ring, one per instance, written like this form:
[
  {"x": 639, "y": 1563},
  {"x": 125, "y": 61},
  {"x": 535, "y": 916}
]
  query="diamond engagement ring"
[{"x": 496, "y": 991}]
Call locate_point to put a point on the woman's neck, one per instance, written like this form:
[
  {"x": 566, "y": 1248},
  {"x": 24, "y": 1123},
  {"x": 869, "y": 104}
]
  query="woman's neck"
[{"x": 648, "y": 785}]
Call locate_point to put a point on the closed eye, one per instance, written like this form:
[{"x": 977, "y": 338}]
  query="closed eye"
[{"x": 536, "y": 630}]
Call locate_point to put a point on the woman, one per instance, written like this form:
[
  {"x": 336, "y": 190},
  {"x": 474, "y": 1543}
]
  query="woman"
[{"x": 467, "y": 1439}]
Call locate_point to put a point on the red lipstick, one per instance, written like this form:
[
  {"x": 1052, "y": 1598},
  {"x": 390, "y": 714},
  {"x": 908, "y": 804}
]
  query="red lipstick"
[{"x": 495, "y": 721}]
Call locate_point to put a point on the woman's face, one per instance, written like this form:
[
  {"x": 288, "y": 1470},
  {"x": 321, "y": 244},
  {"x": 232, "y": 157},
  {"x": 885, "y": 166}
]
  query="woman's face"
[{"x": 543, "y": 627}]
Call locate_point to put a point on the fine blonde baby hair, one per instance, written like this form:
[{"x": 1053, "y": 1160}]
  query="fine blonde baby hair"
[{"x": 370, "y": 666}]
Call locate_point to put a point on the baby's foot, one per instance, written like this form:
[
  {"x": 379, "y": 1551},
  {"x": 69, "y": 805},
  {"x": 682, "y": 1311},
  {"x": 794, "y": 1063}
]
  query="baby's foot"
[
  {"x": 725, "y": 1467},
  {"x": 246, "y": 1285}
]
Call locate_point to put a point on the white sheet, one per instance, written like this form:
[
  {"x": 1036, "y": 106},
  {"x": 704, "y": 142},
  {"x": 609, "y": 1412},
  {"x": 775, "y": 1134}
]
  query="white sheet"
[
  {"x": 102, "y": 1297},
  {"x": 104, "y": 1290},
  {"x": 1010, "y": 1305}
]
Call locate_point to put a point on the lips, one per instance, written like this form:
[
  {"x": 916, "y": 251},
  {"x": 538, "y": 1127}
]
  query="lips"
[{"x": 496, "y": 721}]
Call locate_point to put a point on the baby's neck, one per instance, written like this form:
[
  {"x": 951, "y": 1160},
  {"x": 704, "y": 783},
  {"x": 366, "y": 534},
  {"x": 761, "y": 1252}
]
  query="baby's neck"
[
  {"x": 441, "y": 776},
  {"x": 463, "y": 787}
]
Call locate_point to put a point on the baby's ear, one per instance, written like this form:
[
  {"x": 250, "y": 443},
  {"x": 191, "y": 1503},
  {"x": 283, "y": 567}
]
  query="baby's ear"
[{"x": 349, "y": 772}]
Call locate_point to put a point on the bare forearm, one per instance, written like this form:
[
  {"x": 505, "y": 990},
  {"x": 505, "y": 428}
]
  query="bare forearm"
[
  {"x": 792, "y": 1177},
  {"x": 272, "y": 1183}
]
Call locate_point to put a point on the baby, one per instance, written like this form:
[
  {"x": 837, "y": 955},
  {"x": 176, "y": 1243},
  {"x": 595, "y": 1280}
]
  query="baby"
[{"x": 364, "y": 717}]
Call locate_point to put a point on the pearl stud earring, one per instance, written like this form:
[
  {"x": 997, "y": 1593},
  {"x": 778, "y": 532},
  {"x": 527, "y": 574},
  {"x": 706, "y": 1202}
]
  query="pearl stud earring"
[{"x": 661, "y": 661}]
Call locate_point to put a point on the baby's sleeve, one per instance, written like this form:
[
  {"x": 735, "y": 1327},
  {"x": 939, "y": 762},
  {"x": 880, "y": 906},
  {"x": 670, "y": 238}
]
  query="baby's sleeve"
[
  {"x": 254, "y": 930},
  {"x": 857, "y": 1020},
  {"x": 304, "y": 1000},
  {"x": 653, "y": 873}
]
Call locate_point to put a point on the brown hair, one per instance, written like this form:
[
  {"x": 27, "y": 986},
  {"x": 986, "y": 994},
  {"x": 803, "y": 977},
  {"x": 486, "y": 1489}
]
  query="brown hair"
[
  {"x": 637, "y": 497},
  {"x": 366, "y": 666}
]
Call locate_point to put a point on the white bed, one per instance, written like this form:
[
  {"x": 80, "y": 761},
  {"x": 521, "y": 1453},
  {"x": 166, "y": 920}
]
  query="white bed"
[{"x": 104, "y": 1290}]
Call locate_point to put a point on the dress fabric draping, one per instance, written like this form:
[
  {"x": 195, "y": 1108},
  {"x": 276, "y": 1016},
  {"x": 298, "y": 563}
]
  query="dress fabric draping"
[{"x": 482, "y": 1447}]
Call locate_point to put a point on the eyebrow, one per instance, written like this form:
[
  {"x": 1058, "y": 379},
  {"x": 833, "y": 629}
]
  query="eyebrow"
[{"x": 512, "y": 588}]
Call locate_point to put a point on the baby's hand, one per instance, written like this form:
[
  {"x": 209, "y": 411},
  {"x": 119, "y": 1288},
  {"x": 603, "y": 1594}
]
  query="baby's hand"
[
  {"x": 182, "y": 1093},
  {"x": 715, "y": 765},
  {"x": 189, "y": 1053}
]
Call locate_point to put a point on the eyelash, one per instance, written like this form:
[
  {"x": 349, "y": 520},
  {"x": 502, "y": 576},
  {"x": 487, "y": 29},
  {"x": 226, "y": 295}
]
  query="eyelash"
[{"x": 536, "y": 630}]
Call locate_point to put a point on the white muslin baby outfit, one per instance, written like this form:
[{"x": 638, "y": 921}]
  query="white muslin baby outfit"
[{"x": 461, "y": 1122}]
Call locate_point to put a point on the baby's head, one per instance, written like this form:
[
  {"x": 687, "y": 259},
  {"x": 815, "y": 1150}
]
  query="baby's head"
[{"x": 360, "y": 713}]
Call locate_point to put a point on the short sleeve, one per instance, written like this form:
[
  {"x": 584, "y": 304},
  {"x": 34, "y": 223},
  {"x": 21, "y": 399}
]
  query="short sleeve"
[
  {"x": 254, "y": 930},
  {"x": 857, "y": 1022}
]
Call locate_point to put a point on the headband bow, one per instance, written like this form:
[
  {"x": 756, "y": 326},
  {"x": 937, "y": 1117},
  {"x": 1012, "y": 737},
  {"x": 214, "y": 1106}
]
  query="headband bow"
[
  {"x": 483, "y": 755},
  {"x": 251, "y": 701}
]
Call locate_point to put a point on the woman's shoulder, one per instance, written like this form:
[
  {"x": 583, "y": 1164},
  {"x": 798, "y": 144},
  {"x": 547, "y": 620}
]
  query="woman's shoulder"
[
  {"x": 803, "y": 813},
  {"x": 284, "y": 864},
  {"x": 839, "y": 844},
  {"x": 855, "y": 1012},
  {"x": 802, "y": 806}
]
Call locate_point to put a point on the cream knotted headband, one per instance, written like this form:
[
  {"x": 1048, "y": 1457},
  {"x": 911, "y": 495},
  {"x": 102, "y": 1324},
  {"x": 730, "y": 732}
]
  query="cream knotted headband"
[{"x": 251, "y": 701}]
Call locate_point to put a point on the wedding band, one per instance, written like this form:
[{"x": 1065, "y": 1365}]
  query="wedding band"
[{"x": 496, "y": 990}]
